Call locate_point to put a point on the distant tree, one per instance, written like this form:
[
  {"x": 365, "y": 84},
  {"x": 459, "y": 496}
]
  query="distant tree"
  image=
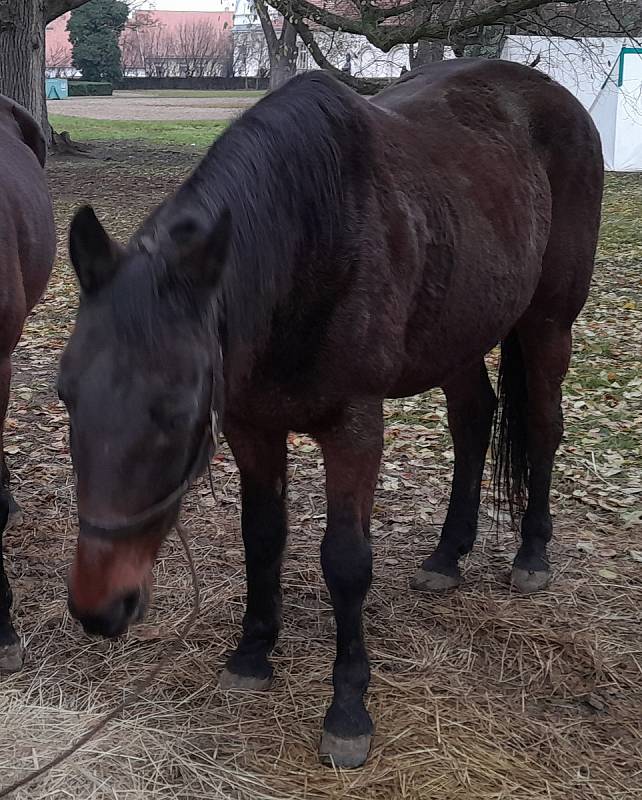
[
  {"x": 57, "y": 61},
  {"x": 251, "y": 57},
  {"x": 94, "y": 30},
  {"x": 200, "y": 49},
  {"x": 146, "y": 45}
]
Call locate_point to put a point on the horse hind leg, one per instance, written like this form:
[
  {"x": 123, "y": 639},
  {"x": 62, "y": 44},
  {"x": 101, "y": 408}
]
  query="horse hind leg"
[
  {"x": 542, "y": 341},
  {"x": 11, "y": 654},
  {"x": 546, "y": 349},
  {"x": 471, "y": 406}
]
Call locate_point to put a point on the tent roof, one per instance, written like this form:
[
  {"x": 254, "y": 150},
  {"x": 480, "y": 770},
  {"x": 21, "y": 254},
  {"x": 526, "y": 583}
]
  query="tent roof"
[
  {"x": 581, "y": 65},
  {"x": 605, "y": 74}
]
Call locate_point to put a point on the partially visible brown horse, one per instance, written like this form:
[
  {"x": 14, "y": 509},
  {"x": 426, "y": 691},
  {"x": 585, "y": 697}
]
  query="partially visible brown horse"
[
  {"x": 329, "y": 252},
  {"x": 27, "y": 249}
]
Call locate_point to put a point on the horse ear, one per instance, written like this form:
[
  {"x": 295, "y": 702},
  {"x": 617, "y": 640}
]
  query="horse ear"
[
  {"x": 202, "y": 250},
  {"x": 93, "y": 253}
]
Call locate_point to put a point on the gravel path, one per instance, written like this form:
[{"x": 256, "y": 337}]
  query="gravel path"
[{"x": 132, "y": 106}]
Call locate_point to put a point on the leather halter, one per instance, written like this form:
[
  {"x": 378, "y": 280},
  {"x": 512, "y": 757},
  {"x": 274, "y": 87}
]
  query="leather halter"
[{"x": 108, "y": 529}]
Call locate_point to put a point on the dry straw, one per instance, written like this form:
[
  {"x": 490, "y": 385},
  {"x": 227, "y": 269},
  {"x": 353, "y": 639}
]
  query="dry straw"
[{"x": 476, "y": 694}]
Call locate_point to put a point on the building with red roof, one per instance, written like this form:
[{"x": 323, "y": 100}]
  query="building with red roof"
[{"x": 158, "y": 43}]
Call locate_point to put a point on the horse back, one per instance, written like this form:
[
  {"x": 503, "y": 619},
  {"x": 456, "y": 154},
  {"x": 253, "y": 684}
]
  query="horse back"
[
  {"x": 27, "y": 235},
  {"x": 489, "y": 159}
]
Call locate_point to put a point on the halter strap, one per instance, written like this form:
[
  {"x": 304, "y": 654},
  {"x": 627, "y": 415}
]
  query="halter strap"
[{"x": 108, "y": 529}]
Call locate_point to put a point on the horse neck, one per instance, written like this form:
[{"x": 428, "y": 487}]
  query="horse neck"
[
  {"x": 282, "y": 171},
  {"x": 279, "y": 221}
]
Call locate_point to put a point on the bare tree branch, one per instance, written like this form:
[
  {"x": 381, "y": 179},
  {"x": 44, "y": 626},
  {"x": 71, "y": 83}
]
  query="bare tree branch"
[
  {"x": 362, "y": 85},
  {"x": 56, "y": 8},
  {"x": 622, "y": 25},
  {"x": 401, "y": 10},
  {"x": 57, "y": 60},
  {"x": 304, "y": 10},
  {"x": 199, "y": 48},
  {"x": 250, "y": 54},
  {"x": 266, "y": 24},
  {"x": 407, "y": 23}
]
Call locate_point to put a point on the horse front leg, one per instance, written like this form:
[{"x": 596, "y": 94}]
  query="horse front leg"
[
  {"x": 352, "y": 454},
  {"x": 262, "y": 461},
  {"x": 11, "y": 654}
]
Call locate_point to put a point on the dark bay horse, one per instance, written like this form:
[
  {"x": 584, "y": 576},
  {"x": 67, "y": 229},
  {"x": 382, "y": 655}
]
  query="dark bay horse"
[
  {"x": 27, "y": 249},
  {"x": 329, "y": 252}
]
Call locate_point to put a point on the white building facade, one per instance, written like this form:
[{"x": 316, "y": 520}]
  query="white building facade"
[{"x": 341, "y": 49}]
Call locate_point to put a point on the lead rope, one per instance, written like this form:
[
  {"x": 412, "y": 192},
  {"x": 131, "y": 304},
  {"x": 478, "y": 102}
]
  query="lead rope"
[{"x": 140, "y": 686}]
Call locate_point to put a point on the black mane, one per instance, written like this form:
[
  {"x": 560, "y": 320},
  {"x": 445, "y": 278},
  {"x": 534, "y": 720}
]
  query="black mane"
[{"x": 282, "y": 170}]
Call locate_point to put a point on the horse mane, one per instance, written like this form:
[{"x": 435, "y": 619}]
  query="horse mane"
[{"x": 283, "y": 170}]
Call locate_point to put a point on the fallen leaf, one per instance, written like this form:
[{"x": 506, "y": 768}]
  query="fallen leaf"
[
  {"x": 146, "y": 632},
  {"x": 632, "y": 518}
]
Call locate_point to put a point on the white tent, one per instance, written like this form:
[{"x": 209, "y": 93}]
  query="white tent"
[{"x": 606, "y": 77}]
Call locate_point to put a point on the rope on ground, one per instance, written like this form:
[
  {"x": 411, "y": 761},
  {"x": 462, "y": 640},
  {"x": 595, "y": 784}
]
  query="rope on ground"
[{"x": 139, "y": 687}]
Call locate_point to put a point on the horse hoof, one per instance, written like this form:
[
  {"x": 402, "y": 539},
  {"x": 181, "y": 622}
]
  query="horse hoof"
[
  {"x": 11, "y": 657},
  {"x": 527, "y": 582},
  {"x": 344, "y": 753},
  {"x": 230, "y": 681},
  {"x": 429, "y": 581}
]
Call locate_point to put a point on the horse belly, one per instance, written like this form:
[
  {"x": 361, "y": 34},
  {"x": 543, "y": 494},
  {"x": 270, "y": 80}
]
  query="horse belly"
[{"x": 439, "y": 345}]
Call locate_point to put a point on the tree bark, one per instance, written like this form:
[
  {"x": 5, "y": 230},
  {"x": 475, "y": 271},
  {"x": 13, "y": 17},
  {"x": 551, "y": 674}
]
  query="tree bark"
[
  {"x": 283, "y": 61},
  {"x": 282, "y": 50},
  {"x": 22, "y": 56},
  {"x": 425, "y": 52},
  {"x": 485, "y": 42}
]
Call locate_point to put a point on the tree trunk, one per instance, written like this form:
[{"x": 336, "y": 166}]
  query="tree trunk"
[
  {"x": 22, "y": 56},
  {"x": 425, "y": 52},
  {"x": 478, "y": 42},
  {"x": 283, "y": 61}
]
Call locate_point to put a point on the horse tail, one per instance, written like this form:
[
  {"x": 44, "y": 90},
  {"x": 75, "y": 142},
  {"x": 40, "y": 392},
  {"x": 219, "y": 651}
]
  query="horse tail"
[{"x": 510, "y": 457}]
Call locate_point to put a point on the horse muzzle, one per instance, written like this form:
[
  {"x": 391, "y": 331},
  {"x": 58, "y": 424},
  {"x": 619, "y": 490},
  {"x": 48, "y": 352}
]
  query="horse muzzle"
[{"x": 114, "y": 618}]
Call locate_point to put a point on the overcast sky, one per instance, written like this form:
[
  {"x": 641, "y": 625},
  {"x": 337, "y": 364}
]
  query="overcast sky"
[{"x": 186, "y": 5}]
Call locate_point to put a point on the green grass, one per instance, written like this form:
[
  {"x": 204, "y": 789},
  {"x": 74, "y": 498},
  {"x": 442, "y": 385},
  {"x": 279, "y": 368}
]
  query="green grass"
[
  {"x": 620, "y": 234},
  {"x": 193, "y": 93},
  {"x": 200, "y": 134}
]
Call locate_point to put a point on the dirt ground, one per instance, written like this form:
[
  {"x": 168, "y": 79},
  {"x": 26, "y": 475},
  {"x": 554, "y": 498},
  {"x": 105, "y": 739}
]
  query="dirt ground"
[
  {"x": 131, "y": 105},
  {"x": 476, "y": 695}
]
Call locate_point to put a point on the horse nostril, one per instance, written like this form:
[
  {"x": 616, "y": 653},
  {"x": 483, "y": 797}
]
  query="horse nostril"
[{"x": 130, "y": 603}]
